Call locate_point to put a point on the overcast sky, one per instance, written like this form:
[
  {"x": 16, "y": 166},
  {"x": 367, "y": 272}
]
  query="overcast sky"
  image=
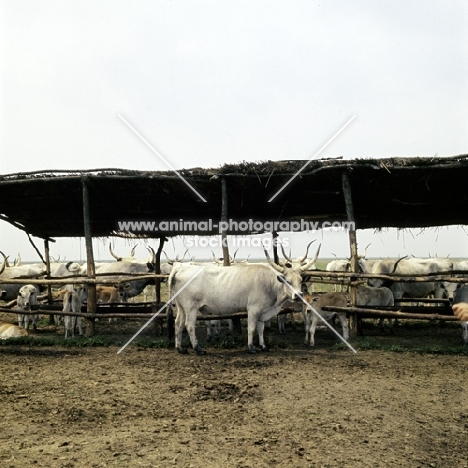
[{"x": 211, "y": 82}]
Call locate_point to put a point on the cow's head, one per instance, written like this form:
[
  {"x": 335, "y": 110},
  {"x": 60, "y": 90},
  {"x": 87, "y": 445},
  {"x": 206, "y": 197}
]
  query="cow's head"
[
  {"x": 27, "y": 296},
  {"x": 291, "y": 271},
  {"x": 447, "y": 290}
]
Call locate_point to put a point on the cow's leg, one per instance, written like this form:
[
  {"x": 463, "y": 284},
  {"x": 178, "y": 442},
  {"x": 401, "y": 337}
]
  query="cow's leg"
[
  {"x": 179, "y": 329},
  {"x": 20, "y": 320},
  {"x": 307, "y": 324},
  {"x": 80, "y": 329},
  {"x": 261, "y": 341},
  {"x": 293, "y": 321},
  {"x": 465, "y": 331},
  {"x": 251, "y": 325},
  {"x": 282, "y": 324},
  {"x": 313, "y": 326},
  {"x": 190, "y": 325},
  {"x": 344, "y": 325},
  {"x": 66, "y": 321},
  {"x": 26, "y": 321}
]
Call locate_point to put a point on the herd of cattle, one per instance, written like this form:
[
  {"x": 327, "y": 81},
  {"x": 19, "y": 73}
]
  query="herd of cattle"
[{"x": 260, "y": 289}]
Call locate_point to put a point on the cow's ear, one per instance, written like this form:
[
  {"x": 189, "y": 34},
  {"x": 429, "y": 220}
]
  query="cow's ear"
[
  {"x": 288, "y": 265},
  {"x": 315, "y": 299},
  {"x": 150, "y": 266}
]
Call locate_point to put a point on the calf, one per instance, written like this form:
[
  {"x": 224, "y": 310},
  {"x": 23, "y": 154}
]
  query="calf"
[
  {"x": 27, "y": 297},
  {"x": 334, "y": 299},
  {"x": 110, "y": 294},
  {"x": 8, "y": 330},
  {"x": 107, "y": 294},
  {"x": 293, "y": 306},
  {"x": 377, "y": 297},
  {"x": 460, "y": 308},
  {"x": 72, "y": 300}
]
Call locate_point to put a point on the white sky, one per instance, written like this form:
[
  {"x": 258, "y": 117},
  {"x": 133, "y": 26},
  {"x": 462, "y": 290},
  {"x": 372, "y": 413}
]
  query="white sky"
[{"x": 211, "y": 82}]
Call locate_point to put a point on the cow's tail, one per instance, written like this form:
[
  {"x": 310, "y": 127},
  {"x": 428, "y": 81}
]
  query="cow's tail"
[{"x": 67, "y": 302}]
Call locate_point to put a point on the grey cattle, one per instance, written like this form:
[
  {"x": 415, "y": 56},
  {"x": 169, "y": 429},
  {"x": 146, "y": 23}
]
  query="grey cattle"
[
  {"x": 123, "y": 267},
  {"x": 447, "y": 289},
  {"x": 412, "y": 267},
  {"x": 258, "y": 289},
  {"x": 377, "y": 297}
]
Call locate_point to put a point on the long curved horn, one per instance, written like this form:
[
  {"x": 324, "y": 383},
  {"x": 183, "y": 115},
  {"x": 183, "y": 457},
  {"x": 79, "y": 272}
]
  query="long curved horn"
[
  {"x": 396, "y": 264},
  {"x": 132, "y": 252},
  {"x": 169, "y": 260},
  {"x": 213, "y": 256},
  {"x": 234, "y": 256},
  {"x": 284, "y": 254},
  {"x": 307, "y": 251},
  {"x": 365, "y": 250},
  {"x": 309, "y": 264},
  {"x": 152, "y": 252},
  {"x": 271, "y": 262},
  {"x": 2, "y": 268},
  {"x": 113, "y": 254},
  {"x": 183, "y": 256}
]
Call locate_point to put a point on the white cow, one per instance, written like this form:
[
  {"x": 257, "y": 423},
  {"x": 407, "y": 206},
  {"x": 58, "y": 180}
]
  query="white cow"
[
  {"x": 333, "y": 299},
  {"x": 339, "y": 265},
  {"x": 259, "y": 289},
  {"x": 27, "y": 297},
  {"x": 72, "y": 301},
  {"x": 22, "y": 271},
  {"x": 125, "y": 267}
]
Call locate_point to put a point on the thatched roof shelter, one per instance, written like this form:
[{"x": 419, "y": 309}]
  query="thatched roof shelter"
[{"x": 392, "y": 192}]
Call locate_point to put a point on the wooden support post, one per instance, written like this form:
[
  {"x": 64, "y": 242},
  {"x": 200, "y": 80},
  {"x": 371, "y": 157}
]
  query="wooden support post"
[
  {"x": 49, "y": 287},
  {"x": 224, "y": 219},
  {"x": 274, "y": 235},
  {"x": 157, "y": 283},
  {"x": 236, "y": 322},
  {"x": 91, "y": 272},
  {"x": 346, "y": 184}
]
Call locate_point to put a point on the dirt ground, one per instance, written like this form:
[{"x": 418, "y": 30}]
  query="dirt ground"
[{"x": 293, "y": 407}]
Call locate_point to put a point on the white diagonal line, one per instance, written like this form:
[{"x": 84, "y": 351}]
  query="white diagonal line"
[
  {"x": 298, "y": 294},
  {"x": 161, "y": 157},
  {"x": 313, "y": 157},
  {"x": 159, "y": 311}
]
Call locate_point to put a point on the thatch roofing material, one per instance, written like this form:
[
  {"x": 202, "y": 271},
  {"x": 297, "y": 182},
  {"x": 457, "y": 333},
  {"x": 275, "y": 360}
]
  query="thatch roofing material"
[{"x": 395, "y": 192}]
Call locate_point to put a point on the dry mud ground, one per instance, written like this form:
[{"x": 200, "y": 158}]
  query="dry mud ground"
[{"x": 89, "y": 407}]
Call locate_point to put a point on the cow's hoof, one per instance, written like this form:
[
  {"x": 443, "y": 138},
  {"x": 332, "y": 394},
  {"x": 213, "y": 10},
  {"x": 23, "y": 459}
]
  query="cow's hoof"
[
  {"x": 265, "y": 349},
  {"x": 182, "y": 350},
  {"x": 199, "y": 351},
  {"x": 251, "y": 351}
]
